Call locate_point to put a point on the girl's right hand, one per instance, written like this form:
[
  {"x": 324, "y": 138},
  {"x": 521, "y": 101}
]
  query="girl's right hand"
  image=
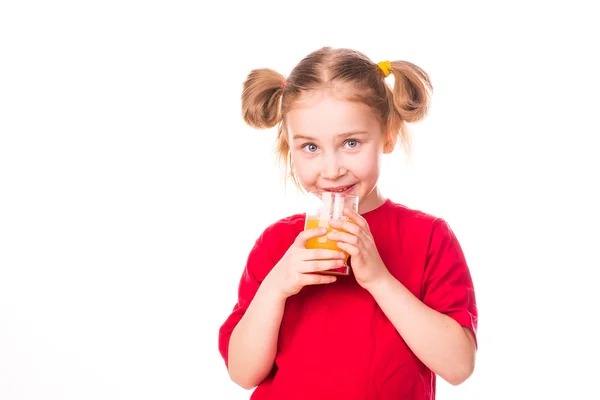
[{"x": 300, "y": 266}]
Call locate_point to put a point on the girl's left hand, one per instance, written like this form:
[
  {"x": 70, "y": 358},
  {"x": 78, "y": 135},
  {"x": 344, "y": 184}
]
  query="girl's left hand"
[{"x": 367, "y": 266}]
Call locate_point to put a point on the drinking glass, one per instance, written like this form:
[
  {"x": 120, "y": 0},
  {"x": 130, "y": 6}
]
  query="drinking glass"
[{"x": 323, "y": 207}]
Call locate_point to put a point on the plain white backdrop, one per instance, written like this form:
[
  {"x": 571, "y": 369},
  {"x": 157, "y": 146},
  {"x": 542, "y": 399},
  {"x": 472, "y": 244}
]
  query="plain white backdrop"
[{"x": 131, "y": 191}]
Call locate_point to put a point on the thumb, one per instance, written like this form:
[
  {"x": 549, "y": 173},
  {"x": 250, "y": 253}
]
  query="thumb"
[{"x": 303, "y": 237}]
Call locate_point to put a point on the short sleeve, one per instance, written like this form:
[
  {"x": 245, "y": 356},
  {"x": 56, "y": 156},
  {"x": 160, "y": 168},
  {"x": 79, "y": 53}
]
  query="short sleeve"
[
  {"x": 258, "y": 260},
  {"x": 448, "y": 286}
]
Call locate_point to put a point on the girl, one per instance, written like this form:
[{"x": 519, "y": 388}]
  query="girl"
[{"x": 407, "y": 312}]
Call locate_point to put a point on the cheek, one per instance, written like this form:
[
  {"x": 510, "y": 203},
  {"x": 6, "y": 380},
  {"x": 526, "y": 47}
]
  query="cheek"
[
  {"x": 368, "y": 159},
  {"x": 367, "y": 165},
  {"x": 306, "y": 168}
]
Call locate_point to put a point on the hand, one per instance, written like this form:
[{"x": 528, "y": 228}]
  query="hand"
[
  {"x": 367, "y": 266},
  {"x": 299, "y": 266}
]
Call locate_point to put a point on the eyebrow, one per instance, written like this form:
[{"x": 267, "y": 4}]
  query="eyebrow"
[{"x": 342, "y": 135}]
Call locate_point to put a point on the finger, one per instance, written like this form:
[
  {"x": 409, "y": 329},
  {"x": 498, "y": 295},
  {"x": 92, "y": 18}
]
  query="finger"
[
  {"x": 322, "y": 254},
  {"x": 346, "y": 225},
  {"x": 319, "y": 265},
  {"x": 341, "y": 236},
  {"x": 357, "y": 218},
  {"x": 303, "y": 237},
  {"x": 354, "y": 251},
  {"x": 314, "y": 279}
]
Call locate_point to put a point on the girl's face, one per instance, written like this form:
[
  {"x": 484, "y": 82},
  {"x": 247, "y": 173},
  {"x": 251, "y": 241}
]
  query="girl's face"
[{"x": 336, "y": 145}]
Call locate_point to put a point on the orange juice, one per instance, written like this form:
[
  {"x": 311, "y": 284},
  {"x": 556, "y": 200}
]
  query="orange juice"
[{"x": 323, "y": 242}]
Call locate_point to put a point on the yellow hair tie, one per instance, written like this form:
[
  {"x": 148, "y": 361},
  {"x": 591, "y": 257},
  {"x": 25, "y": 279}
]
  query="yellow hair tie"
[{"x": 385, "y": 66}]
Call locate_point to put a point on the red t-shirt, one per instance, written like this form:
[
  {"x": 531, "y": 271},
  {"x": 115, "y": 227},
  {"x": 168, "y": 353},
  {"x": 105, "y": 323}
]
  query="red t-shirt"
[{"x": 334, "y": 340}]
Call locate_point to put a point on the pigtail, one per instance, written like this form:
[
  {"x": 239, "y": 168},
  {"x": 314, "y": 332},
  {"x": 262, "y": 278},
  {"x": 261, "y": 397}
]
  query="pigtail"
[
  {"x": 411, "y": 92},
  {"x": 261, "y": 98}
]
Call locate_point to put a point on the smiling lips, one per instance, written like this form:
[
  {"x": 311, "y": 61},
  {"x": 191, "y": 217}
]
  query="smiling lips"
[{"x": 339, "y": 189}]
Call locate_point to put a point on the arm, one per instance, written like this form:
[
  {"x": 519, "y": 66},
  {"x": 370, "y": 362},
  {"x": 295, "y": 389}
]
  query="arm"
[
  {"x": 253, "y": 343},
  {"x": 248, "y": 339},
  {"x": 437, "y": 340},
  {"x": 431, "y": 327}
]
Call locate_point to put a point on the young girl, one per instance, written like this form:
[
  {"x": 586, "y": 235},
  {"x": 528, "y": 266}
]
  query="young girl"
[{"x": 407, "y": 311}]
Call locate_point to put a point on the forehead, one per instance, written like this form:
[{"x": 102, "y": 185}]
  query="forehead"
[{"x": 327, "y": 113}]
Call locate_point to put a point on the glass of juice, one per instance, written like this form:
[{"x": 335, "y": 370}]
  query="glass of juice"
[{"x": 323, "y": 207}]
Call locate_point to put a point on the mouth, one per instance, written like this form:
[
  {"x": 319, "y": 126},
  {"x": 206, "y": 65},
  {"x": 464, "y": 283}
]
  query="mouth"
[{"x": 339, "y": 189}]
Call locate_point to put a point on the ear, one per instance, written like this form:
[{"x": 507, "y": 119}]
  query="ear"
[{"x": 390, "y": 143}]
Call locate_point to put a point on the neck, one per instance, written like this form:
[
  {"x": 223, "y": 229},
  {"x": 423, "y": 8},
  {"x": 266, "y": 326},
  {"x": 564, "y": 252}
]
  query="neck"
[{"x": 371, "y": 202}]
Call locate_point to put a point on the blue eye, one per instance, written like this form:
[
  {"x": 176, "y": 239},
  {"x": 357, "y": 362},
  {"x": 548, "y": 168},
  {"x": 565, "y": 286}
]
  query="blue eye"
[
  {"x": 311, "y": 147},
  {"x": 352, "y": 143}
]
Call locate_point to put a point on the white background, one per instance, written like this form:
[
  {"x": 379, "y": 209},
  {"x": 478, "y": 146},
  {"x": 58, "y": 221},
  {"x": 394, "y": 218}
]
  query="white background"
[{"x": 131, "y": 191}]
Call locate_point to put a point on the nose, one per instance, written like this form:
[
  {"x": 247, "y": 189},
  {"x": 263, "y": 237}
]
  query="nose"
[{"x": 332, "y": 167}]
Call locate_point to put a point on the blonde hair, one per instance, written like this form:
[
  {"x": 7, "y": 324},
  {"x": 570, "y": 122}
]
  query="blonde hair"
[{"x": 267, "y": 95}]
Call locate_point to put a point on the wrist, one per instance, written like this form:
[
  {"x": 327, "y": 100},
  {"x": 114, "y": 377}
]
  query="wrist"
[
  {"x": 271, "y": 291},
  {"x": 378, "y": 285}
]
